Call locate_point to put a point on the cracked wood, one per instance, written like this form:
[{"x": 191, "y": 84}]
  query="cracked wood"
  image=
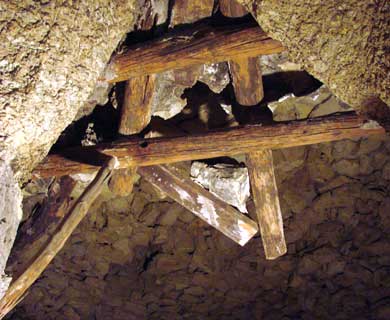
[
  {"x": 200, "y": 45},
  {"x": 266, "y": 199},
  {"x": 230, "y": 141},
  {"x": 172, "y": 181}
]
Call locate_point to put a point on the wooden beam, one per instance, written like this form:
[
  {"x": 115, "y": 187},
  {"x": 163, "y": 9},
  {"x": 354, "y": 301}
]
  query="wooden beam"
[
  {"x": 136, "y": 113},
  {"x": 247, "y": 80},
  {"x": 205, "y": 44},
  {"x": 230, "y": 141},
  {"x": 184, "y": 11},
  {"x": 266, "y": 199},
  {"x": 244, "y": 71},
  {"x": 19, "y": 287},
  {"x": 173, "y": 182},
  {"x": 136, "y": 110},
  {"x": 232, "y": 9}
]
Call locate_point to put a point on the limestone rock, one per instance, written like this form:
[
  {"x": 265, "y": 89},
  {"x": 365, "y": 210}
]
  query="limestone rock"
[
  {"x": 227, "y": 182},
  {"x": 316, "y": 104},
  {"x": 167, "y": 98},
  {"x": 348, "y": 57}
]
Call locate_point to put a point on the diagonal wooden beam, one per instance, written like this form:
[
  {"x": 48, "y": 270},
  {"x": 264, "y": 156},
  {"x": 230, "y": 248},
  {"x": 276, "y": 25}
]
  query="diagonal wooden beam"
[
  {"x": 231, "y": 141},
  {"x": 173, "y": 182},
  {"x": 19, "y": 287},
  {"x": 203, "y": 44},
  {"x": 266, "y": 199}
]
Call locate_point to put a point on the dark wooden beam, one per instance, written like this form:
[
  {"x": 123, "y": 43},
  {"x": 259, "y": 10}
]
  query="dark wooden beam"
[
  {"x": 266, "y": 199},
  {"x": 232, "y": 9},
  {"x": 136, "y": 113},
  {"x": 247, "y": 80},
  {"x": 205, "y": 44},
  {"x": 230, "y": 141},
  {"x": 172, "y": 181},
  {"x": 22, "y": 283}
]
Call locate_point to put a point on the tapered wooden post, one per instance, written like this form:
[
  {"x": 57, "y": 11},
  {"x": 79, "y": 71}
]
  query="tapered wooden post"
[
  {"x": 136, "y": 113},
  {"x": 247, "y": 80},
  {"x": 173, "y": 182},
  {"x": 19, "y": 287},
  {"x": 266, "y": 199},
  {"x": 245, "y": 71}
]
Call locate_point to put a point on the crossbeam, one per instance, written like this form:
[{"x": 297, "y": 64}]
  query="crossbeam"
[
  {"x": 200, "y": 45},
  {"x": 230, "y": 141}
]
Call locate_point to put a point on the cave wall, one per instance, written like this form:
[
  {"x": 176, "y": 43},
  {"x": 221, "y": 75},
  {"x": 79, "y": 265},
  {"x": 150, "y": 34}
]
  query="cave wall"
[
  {"x": 52, "y": 53},
  {"x": 344, "y": 44},
  {"x": 145, "y": 257}
]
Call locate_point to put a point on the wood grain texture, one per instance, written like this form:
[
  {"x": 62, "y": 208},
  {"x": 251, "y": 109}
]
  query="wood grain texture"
[
  {"x": 184, "y": 11},
  {"x": 205, "y": 44},
  {"x": 231, "y": 141},
  {"x": 266, "y": 199},
  {"x": 18, "y": 288},
  {"x": 247, "y": 80},
  {"x": 171, "y": 180},
  {"x": 136, "y": 110},
  {"x": 232, "y": 9},
  {"x": 136, "y": 113}
]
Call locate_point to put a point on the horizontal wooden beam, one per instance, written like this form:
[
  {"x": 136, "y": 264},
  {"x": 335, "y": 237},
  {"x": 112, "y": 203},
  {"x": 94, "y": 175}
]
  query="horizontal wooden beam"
[
  {"x": 203, "y": 44},
  {"x": 173, "y": 182},
  {"x": 230, "y": 141}
]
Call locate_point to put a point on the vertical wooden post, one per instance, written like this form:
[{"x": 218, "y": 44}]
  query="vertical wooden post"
[
  {"x": 245, "y": 72},
  {"x": 266, "y": 199},
  {"x": 136, "y": 113}
]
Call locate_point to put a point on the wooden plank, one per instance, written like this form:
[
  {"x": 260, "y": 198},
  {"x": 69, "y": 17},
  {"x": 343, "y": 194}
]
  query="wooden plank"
[
  {"x": 184, "y": 11},
  {"x": 171, "y": 180},
  {"x": 266, "y": 199},
  {"x": 232, "y": 9},
  {"x": 136, "y": 113},
  {"x": 230, "y": 141},
  {"x": 19, "y": 287},
  {"x": 247, "y": 80},
  {"x": 205, "y": 44}
]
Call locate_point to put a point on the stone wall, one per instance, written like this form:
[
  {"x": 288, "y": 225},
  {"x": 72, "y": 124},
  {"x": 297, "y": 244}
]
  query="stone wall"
[{"x": 144, "y": 257}]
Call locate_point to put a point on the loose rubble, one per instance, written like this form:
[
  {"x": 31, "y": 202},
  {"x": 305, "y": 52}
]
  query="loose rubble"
[{"x": 140, "y": 257}]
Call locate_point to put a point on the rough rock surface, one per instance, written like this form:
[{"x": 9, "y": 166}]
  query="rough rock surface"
[
  {"x": 140, "y": 257},
  {"x": 345, "y": 44},
  {"x": 51, "y": 55},
  {"x": 318, "y": 103},
  {"x": 170, "y": 85}
]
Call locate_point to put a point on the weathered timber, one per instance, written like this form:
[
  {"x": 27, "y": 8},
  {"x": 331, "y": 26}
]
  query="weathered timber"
[
  {"x": 136, "y": 110},
  {"x": 230, "y": 141},
  {"x": 18, "y": 288},
  {"x": 136, "y": 113},
  {"x": 232, "y": 9},
  {"x": 184, "y": 11},
  {"x": 247, "y": 80},
  {"x": 205, "y": 44},
  {"x": 266, "y": 199},
  {"x": 173, "y": 182},
  {"x": 35, "y": 232}
]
